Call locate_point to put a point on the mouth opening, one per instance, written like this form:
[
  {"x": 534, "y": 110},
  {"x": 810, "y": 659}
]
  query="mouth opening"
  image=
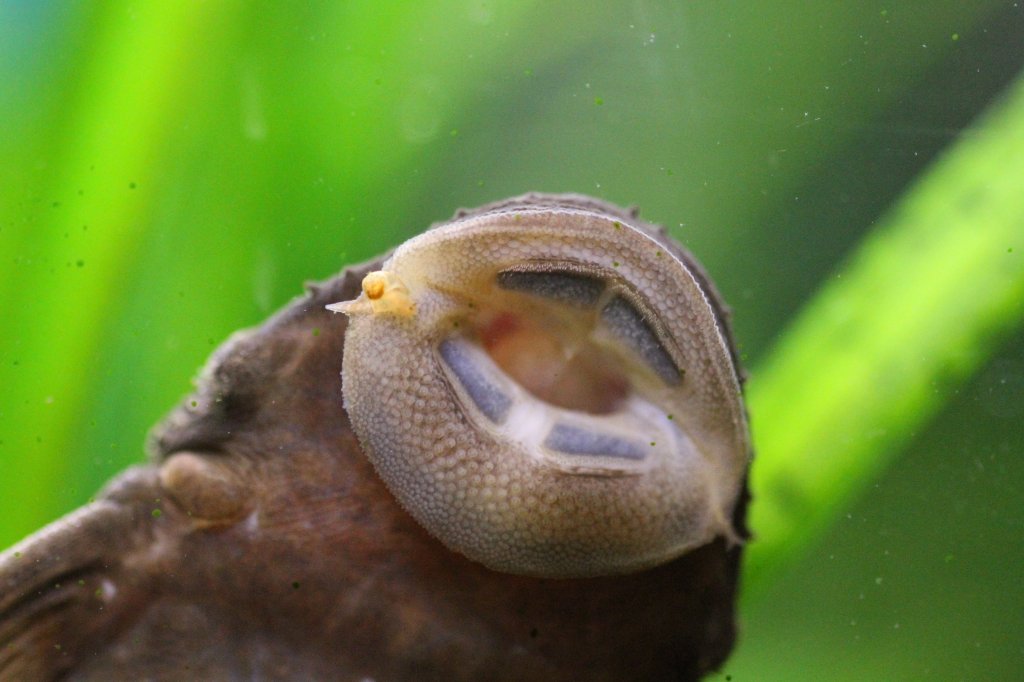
[{"x": 557, "y": 363}]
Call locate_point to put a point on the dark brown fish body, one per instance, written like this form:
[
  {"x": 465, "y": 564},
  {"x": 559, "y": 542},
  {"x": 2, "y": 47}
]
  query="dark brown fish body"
[{"x": 261, "y": 543}]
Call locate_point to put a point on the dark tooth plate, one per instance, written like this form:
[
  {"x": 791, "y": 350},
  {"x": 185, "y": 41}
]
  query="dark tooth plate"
[
  {"x": 573, "y": 288},
  {"x": 485, "y": 394},
  {"x": 573, "y": 440},
  {"x": 628, "y": 323}
]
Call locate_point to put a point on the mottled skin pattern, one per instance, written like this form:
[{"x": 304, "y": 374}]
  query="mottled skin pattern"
[{"x": 279, "y": 554}]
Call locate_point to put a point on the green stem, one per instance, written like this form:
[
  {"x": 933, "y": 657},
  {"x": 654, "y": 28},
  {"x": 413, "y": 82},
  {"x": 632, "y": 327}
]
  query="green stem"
[{"x": 921, "y": 304}]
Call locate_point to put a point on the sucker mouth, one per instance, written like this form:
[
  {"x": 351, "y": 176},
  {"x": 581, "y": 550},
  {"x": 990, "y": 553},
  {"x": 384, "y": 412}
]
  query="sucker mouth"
[
  {"x": 626, "y": 439},
  {"x": 571, "y": 336},
  {"x": 566, "y": 365}
]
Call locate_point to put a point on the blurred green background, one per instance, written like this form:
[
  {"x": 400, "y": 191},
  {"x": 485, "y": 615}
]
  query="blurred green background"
[{"x": 171, "y": 172}]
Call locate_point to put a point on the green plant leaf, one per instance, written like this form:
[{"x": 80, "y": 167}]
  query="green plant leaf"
[{"x": 922, "y": 302}]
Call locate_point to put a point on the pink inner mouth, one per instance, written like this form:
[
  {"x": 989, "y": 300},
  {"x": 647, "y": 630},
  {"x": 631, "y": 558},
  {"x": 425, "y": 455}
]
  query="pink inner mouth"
[{"x": 574, "y": 374}]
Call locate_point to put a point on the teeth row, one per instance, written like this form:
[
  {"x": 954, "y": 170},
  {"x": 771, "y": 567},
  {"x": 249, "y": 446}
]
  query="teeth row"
[
  {"x": 539, "y": 427},
  {"x": 464, "y": 360},
  {"x": 573, "y": 440},
  {"x": 565, "y": 286},
  {"x": 626, "y": 322}
]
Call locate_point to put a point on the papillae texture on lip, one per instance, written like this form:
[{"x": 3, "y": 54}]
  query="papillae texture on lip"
[
  {"x": 456, "y": 381},
  {"x": 277, "y": 553}
]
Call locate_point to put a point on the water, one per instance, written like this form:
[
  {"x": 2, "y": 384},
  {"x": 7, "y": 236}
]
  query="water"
[{"x": 169, "y": 175}]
